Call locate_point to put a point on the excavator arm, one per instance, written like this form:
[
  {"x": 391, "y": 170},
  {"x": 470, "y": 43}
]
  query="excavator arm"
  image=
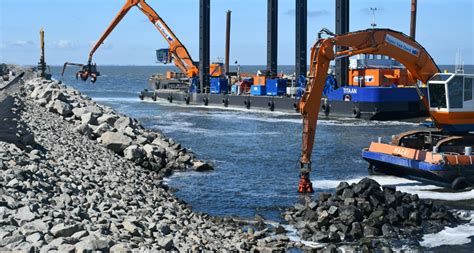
[
  {"x": 373, "y": 41},
  {"x": 179, "y": 54}
]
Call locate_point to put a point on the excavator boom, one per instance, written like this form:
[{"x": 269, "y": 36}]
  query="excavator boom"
[
  {"x": 373, "y": 41},
  {"x": 179, "y": 54}
]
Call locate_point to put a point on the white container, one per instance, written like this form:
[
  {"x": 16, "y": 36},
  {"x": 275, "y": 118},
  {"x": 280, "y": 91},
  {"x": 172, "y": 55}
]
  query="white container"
[
  {"x": 291, "y": 91},
  {"x": 468, "y": 151}
]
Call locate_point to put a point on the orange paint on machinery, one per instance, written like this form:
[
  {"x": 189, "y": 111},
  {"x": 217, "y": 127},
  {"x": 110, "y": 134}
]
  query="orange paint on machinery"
[
  {"x": 453, "y": 118},
  {"x": 421, "y": 155}
]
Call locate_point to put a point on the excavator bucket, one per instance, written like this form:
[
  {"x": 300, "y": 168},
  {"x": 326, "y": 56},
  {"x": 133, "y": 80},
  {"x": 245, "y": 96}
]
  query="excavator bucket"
[{"x": 87, "y": 70}]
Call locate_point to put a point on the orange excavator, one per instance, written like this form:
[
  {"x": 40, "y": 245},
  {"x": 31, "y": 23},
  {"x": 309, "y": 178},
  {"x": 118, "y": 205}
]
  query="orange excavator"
[
  {"x": 450, "y": 120},
  {"x": 176, "y": 52}
]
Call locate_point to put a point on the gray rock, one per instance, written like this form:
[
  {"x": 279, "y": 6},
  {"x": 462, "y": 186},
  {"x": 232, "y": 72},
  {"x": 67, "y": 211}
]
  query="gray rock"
[
  {"x": 91, "y": 244},
  {"x": 120, "y": 248},
  {"x": 35, "y": 237},
  {"x": 115, "y": 141},
  {"x": 131, "y": 227},
  {"x": 80, "y": 234},
  {"x": 201, "y": 166},
  {"x": 36, "y": 225},
  {"x": 323, "y": 218},
  {"x": 89, "y": 118},
  {"x": 152, "y": 150},
  {"x": 102, "y": 128},
  {"x": 94, "y": 109},
  {"x": 25, "y": 214},
  {"x": 107, "y": 118},
  {"x": 35, "y": 93},
  {"x": 62, "y": 108},
  {"x": 333, "y": 210},
  {"x": 160, "y": 142},
  {"x": 347, "y": 193},
  {"x": 45, "y": 94},
  {"x": 350, "y": 214},
  {"x": 387, "y": 231},
  {"x": 67, "y": 248},
  {"x": 14, "y": 239},
  {"x": 62, "y": 230},
  {"x": 324, "y": 196},
  {"x": 58, "y": 95},
  {"x": 84, "y": 129},
  {"x": 130, "y": 132},
  {"x": 166, "y": 243},
  {"x": 185, "y": 158},
  {"x": 142, "y": 140},
  {"x": 370, "y": 231},
  {"x": 165, "y": 229},
  {"x": 123, "y": 122},
  {"x": 356, "y": 230},
  {"x": 340, "y": 188},
  {"x": 78, "y": 112}
]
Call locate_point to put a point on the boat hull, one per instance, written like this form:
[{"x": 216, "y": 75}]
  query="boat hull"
[
  {"x": 392, "y": 110},
  {"x": 400, "y": 166}
]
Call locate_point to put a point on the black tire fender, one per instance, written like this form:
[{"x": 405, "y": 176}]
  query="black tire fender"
[
  {"x": 356, "y": 112},
  {"x": 271, "y": 105},
  {"x": 459, "y": 183},
  {"x": 326, "y": 109}
]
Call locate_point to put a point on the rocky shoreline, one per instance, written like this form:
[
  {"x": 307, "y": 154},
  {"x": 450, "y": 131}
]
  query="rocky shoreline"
[
  {"x": 368, "y": 212},
  {"x": 90, "y": 179},
  {"x": 78, "y": 177}
]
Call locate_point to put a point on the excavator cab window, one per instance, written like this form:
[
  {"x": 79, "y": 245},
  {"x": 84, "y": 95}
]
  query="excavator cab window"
[
  {"x": 455, "y": 92},
  {"x": 437, "y": 93},
  {"x": 468, "y": 92},
  {"x": 163, "y": 56}
]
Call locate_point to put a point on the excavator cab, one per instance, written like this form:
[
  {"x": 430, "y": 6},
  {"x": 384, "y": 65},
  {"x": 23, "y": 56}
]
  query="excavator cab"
[
  {"x": 163, "y": 56},
  {"x": 451, "y": 99}
]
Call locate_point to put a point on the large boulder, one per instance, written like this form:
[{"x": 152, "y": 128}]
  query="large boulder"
[
  {"x": 58, "y": 95},
  {"x": 78, "y": 112},
  {"x": 134, "y": 153},
  {"x": 63, "y": 230},
  {"x": 154, "y": 151},
  {"x": 201, "y": 166},
  {"x": 115, "y": 141},
  {"x": 102, "y": 128},
  {"x": 107, "y": 118},
  {"x": 159, "y": 141},
  {"x": 62, "y": 108},
  {"x": 85, "y": 130},
  {"x": 122, "y": 123},
  {"x": 89, "y": 118}
]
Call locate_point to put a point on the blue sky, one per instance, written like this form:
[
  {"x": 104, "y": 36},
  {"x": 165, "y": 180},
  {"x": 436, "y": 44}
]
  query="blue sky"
[{"x": 443, "y": 28}]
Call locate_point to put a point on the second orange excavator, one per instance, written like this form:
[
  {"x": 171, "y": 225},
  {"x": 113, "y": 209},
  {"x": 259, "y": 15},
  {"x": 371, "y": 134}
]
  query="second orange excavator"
[
  {"x": 421, "y": 67},
  {"x": 176, "y": 53}
]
